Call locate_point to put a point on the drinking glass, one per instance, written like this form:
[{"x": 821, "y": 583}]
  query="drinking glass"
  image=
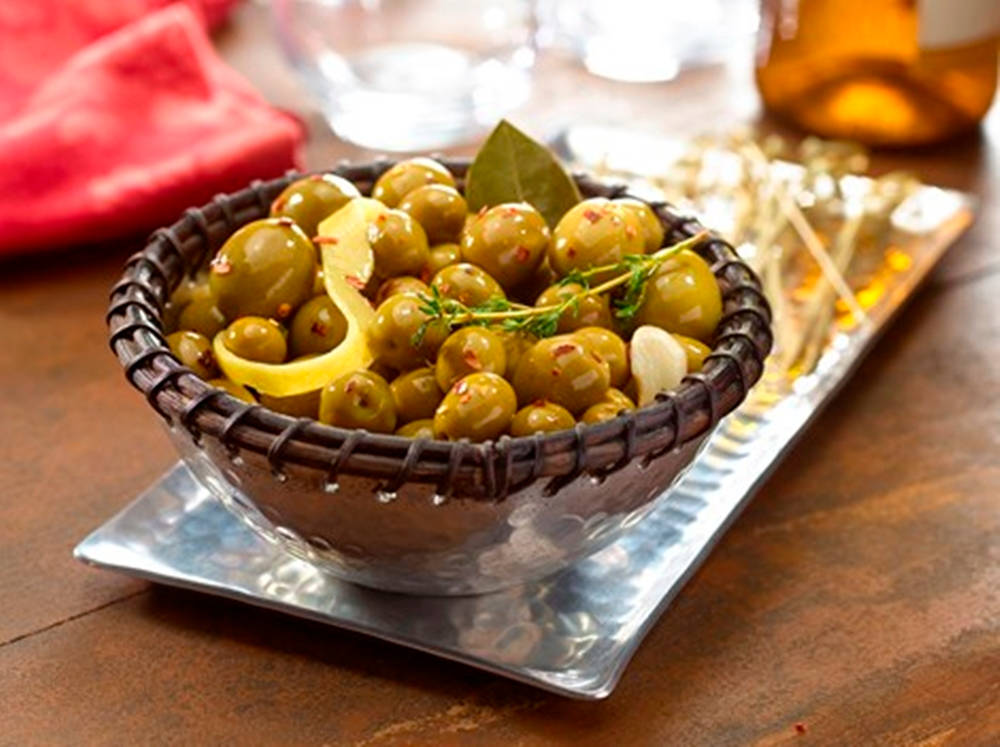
[{"x": 405, "y": 75}]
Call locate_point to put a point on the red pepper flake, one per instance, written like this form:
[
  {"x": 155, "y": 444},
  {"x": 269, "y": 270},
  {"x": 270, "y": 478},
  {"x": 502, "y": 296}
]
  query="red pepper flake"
[
  {"x": 315, "y": 177},
  {"x": 482, "y": 211},
  {"x": 564, "y": 348},
  {"x": 325, "y": 240},
  {"x": 616, "y": 220},
  {"x": 221, "y": 266},
  {"x": 284, "y": 310},
  {"x": 355, "y": 282},
  {"x": 461, "y": 387},
  {"x": 318, "y": 328},
  {"x": 800, "y": 727},
  {"x": 382, "y": 218},
  {"x": 465, "y": 398},
  {"x": 630, "y": 231},
  {"x": 472, "y": 360},
  {"x": 278, "y": 205},
  {"x": 555, "y": 372},
  {"x": 445, "y": 288},
  {"x": 351, "y": 385},
  {"x": 592, "y": 215},
  {"x": 207, "y": 359},
  {"x": 511, "y": 211},
  {"x": 539, "y": 403},
  {"x": 285, "y": 221},
  {"x": 570, "y": 252},
  {"x": 522, "y": 254}
]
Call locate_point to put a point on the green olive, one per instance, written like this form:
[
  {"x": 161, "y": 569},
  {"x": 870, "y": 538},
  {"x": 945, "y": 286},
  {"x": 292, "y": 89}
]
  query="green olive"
[
  {"x": 256, "y": 339},
  {"x": 619, "y": 399},
  {"x": 600, "y": 412},
  {"x": 267, "y": 268},
  {"x": 652, "y": 228},
  {"x": 195, "y": 352},
  {"x": 593, "y": 233},
  {"x": 393, "y": 332},
  {"x": 515, "y": 344},
  {"x": 694, "y": 351},
  {"x": 231, "y": 387},
  {"x": 533, "y": 287},
  {"x": 308, "y": 201},
  {"x": 589, "y": 311},
  {"x": 423, "y": 428},
  {"x": 610, "y": 347},
  {"x": 440, "y": 209},
  {"x": 359, "y": 399},
  {"x": 192, "y": 289},
  {"x": 439, "y": 257},
  {"x": 509, "y": 241},
  {"x": 202, "y": 316},
  {"x": 683, "y": 297},
  {"x": 479, "y": 407},
  {"x": 317, "y": 327},
  {"x": 467, "y": 351},
  {"x": 416, "y": 394},
  {"x": 304, "y": 405},
  {"x": 319, "y": 285},
  {"x": 467, "y": 284},
  {"x": 563, "y": 370},
  {"x": 401, "y": 284},
  {"x": 541, "y": 417},
  {"x": 399, "y": 244},
  {"x": 406, "y": 176}
]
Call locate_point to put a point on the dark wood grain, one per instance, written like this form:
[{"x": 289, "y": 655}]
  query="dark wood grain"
[{"x": 857, "y": 597}]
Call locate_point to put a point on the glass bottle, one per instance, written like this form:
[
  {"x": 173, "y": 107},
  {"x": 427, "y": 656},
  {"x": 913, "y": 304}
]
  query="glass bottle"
[{"x": 884, "y": 72}]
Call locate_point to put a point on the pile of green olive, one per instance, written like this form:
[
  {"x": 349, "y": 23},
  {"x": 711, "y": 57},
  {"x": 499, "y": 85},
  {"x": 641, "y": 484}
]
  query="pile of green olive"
[{"x": 264, "y": 291}]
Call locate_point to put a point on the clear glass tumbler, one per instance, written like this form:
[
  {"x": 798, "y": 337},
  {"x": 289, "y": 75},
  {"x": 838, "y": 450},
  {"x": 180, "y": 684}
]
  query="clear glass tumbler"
[{"x": 406, "y": 75}]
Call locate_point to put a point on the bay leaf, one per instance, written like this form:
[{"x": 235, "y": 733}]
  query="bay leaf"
[{"x": 511, "y": 167}]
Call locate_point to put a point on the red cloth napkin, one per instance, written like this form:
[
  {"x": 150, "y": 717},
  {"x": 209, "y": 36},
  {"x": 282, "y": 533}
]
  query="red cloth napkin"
[{"x": 124, "y": 133}]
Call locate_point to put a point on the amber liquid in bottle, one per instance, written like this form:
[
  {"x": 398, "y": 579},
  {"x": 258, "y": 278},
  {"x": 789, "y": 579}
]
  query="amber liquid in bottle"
[{"x": 867, "y": 70}]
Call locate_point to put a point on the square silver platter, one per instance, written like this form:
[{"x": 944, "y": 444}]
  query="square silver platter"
[{"x": 572, "y": 633}]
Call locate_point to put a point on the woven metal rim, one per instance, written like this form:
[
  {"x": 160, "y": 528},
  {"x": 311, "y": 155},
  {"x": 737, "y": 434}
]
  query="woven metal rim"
[{"x": 488, "y": 470}]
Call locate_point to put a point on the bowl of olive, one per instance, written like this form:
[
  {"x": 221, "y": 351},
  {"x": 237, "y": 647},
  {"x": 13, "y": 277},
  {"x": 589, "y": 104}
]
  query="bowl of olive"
[{"x": 425, "y": 390}]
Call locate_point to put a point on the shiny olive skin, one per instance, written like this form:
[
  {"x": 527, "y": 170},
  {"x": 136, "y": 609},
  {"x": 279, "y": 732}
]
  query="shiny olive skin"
[
  {"x": 563, "y": 370},
  {"x": 590, "y": 311},
  {"x": 439, "y": 209},
  {"x": 391, "y": 333},
  {"x": 416, "y": 394},
  {"x": 683, "y": 297},
  {"x": 600, "y": 412},
  {"x": 359, "y": 399},
  {"x": 695, "y": 352},
  {"x": 308, "y": 201},
  {"x": 191, "y": 289},
  {"x": 267, "y": 268},
  {"x": 423, "y": 428},
  {"x": 401, "y": 284},
  {"x": 467, "y": 284},
  {"x": 319, "y": 284},
  {"x": 317, "y": 327},
  {"x": 202, "y": 316},
  {"x": 304, "y": 405},
  {"x": 541, "y": 417},
  {"x": 610, "y": 347},
  {"x": 195, "y": 352},
  {"x": 509, "y": 241},
  {"x": 652, "y": 228},
  {"x": 619, "y": 399},
  {"x": 479, "y": 407},
  {"x": 406, "y": 176},
  {"x": 231, "y": 387},
  {"x": 399, "y": 244},
  {"x": 467, "y": 351},
  {"x": 592, "y": 233},
  {"x": 515, "y": 344},
  {"x": 256, "y": 339},
  {"x": 439, "y": 257}
]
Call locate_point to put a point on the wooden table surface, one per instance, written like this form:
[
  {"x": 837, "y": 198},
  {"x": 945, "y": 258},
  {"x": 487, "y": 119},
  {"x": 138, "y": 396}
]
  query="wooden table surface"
[{"x": 856, "y": 601}]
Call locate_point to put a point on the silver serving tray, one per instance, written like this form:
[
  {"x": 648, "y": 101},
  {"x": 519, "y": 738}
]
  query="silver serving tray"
[{"x": 573, "y": 633}]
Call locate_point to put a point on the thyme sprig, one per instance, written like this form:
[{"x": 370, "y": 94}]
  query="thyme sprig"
[{"x": 632, "y": 273}]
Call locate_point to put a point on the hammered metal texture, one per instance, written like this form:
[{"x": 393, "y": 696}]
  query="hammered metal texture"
[{"x": 415, "y": 544}]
